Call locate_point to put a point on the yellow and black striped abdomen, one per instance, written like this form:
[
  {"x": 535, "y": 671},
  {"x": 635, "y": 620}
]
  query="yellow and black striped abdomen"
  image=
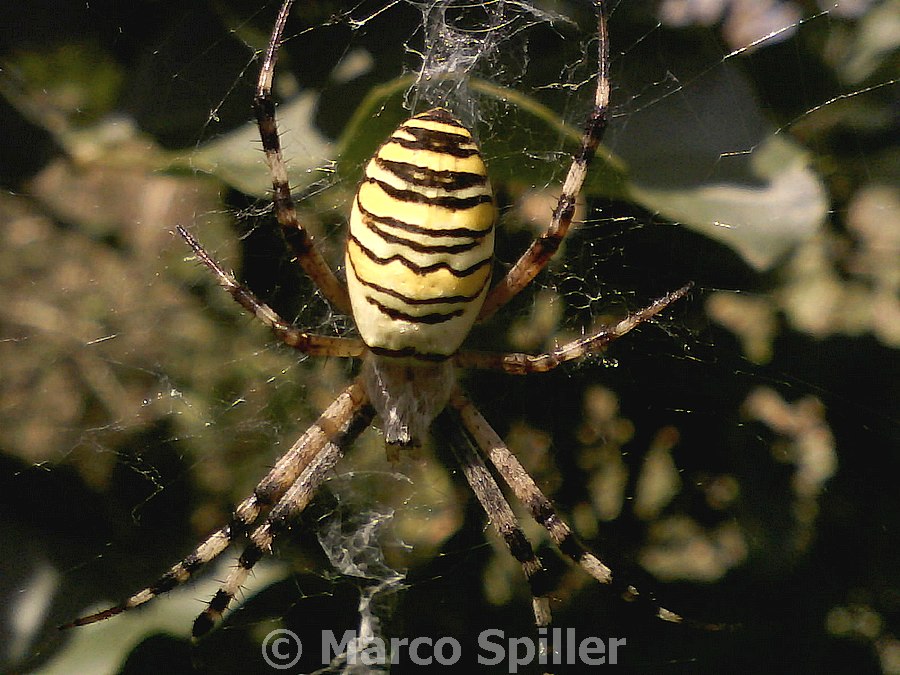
[{"x": 421, "y": 239}]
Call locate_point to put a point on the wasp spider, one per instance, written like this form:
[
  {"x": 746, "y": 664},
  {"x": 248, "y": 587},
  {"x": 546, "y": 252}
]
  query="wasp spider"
[{"x": 418, "y": 263}]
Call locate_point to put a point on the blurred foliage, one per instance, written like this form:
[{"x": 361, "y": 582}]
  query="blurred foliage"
[{"x": 739, "y": 458}]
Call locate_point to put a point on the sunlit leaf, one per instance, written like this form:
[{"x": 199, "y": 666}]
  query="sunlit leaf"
[
  {"x": 172, "y": 615},
  {"x": 773, "y": 202},
  {"x": 506, "y": 150},
  {"x": 760, "y": 221},
  {"x": 237, "y": 158}
]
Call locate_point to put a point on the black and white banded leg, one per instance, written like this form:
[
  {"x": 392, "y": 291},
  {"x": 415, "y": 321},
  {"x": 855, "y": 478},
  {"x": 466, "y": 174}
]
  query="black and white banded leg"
[
  {"x": 504, "y": 521},
  {"x": 545, "y": 246},
  {"x": 538, "y": 505},
  {"x": 342, "y": 431},
  {"x": 330, "y": 428},
  {"x": 297, "y": 237},
  {"x": 518, "y": 363},
  {"x": 314, "y": 345}
]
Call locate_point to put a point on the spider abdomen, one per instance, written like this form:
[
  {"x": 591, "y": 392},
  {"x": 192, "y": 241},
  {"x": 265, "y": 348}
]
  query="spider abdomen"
[{"x": 421, "y": 239}]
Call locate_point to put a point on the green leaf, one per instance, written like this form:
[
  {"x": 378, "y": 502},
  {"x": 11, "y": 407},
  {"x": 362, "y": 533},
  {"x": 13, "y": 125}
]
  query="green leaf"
[
  {"x": 171, "y": 614},
  {"x": 761, "y": 212},
  {"x": 534, "y": 126},
  {"x": 760, "y": 220},
  {"x": 237, "y": 158}
]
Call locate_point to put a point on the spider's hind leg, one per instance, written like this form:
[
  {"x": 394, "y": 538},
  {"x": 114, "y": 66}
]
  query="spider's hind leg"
[
  {"x": 542, "y": 249},
  {"x": 297, "y": 237}
]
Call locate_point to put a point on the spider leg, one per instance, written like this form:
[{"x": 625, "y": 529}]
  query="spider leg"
[
  {"x": 517, "y": 363},
  {"x": 270, "y": 489},
  {"x": 314, "y": 345},
  {"x": 504, "y": 522},
  {"x": 298, "y": 239},
  {"x": 545, "y": 246},
  {"x": 540, "y": 507},
  {"x": 341, "y": 431}
]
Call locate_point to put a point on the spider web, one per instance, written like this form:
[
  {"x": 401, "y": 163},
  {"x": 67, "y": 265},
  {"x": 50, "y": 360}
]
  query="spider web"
[{"x": 732, "y": 450}]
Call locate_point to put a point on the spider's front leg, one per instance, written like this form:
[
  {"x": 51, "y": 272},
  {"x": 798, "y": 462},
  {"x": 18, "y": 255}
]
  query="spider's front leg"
[
  {"x": 338, "y": 431},
  {"x": 539, "y": 506},
  {"x": 504, "y": 521},
  {"x": 332, "y": 427}
]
